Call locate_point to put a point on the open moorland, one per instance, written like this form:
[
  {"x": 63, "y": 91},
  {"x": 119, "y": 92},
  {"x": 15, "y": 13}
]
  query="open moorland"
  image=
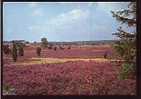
[{"x": 80, "y": 70}]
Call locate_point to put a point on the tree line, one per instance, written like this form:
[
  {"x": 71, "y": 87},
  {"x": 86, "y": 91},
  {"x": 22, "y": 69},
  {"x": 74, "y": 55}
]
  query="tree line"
[{"x": 18, "y": 48}]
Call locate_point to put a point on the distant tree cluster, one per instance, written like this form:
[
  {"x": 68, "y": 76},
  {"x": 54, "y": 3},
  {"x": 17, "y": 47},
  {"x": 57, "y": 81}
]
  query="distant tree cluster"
[
  {"x": 44, "y": 42},
  {"x": 18, "y": 48}
]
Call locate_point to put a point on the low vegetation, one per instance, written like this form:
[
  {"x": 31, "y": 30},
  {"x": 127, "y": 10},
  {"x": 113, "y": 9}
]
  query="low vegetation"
[{"x": 81, "y": 71}]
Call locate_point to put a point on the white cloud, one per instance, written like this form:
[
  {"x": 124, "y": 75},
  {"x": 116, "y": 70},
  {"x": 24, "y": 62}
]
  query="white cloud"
[
  {"x": 112, "y": 6},
  {"x": 37, "y": 12},
  {"x": 36, "y": 9},
  {"x": 61, "y": 22},
  {"x": 35, "y": 28},
  {"x": 69, "y": 17},
  {"x": 30, "y": 28}
]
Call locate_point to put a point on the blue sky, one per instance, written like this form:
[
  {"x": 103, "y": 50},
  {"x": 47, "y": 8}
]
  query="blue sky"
[{"x": 60, "y": 21}]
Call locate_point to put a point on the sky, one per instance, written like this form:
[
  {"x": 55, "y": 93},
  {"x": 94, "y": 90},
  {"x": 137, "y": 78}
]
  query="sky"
[{"x": 60, "y": 21}]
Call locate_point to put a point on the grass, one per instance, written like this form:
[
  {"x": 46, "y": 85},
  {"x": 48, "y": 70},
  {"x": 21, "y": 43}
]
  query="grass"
[
  {"x": 32, "y": 61},
  {"x": 7, "y": 90}
]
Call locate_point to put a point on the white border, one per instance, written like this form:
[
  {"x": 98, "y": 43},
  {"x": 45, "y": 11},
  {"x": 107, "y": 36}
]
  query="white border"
[{"x": 58, "y": 2}]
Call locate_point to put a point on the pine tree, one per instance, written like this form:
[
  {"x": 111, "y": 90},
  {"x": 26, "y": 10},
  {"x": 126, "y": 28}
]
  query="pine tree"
[
  {"x": 14, "y": 52},
  {"x": 6, "y": 49},
  {"x": 21, "y": 50},
  {"x": 126, "y": 45},
  {"x": 38, "y": 51}
]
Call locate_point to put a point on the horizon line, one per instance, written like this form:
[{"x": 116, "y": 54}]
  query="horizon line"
[{"x": 63, "y": 41}]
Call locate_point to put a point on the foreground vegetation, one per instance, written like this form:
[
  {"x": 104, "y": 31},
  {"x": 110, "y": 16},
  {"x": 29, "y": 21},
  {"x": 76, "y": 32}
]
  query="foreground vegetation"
[{"x": 75, "y": 71}]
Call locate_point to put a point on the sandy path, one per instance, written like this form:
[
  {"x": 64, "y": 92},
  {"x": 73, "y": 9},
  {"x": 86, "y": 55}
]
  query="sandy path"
[{"x": 32, "y": 61}]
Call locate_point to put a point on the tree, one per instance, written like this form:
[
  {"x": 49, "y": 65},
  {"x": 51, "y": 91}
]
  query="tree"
[
  {"x": 20, "y": 47},
  {"x": 38, "y": 51},
  {"x": 6, "y": 49},
  {"x": 44, "y": 42},
  {"x": 105, "y": 54},
  {"x": 27, "y": 42},
  {"x": 21, "y": 50},
  {"x": 34, "y": 42},
  {"x": 69, "y": 47},
  {"x": 126, "y": 46},
  {"x": 14, "y": 52},
  {"x": 55, "y": 48}
]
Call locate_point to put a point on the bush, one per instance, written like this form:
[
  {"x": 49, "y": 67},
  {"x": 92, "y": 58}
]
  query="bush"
[
  {"x": 7, "y": 90},
  {"x": 105, "y": 55},
  {"x": 126, "y": 70},
  {"x": 69, "y": 47},
  {"x": 21, "y": 50},
  {"x": 38, "y": 51},
  {"x": 6, "y": 49},
  {"x": 14, "y": 52},
  {"x": 55, "y": 48}
]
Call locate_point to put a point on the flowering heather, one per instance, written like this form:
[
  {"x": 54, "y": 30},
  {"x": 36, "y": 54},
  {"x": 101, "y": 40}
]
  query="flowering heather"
[
  {"x": 76, "y": 77},
  {"x": 71, "y": 78}
]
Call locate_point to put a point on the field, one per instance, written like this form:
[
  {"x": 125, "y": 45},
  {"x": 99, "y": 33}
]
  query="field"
[{"x": 76, "y": 71}]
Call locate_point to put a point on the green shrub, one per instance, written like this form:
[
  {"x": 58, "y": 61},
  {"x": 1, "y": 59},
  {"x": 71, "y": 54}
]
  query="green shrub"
[
  {"x": 7, "y": 90},
  {"x": 14, "y": 52},
  {"x": 6, "y": 49},
  {"x": 126, "y": 70},
  {"x": 38, "y": 51},
  {"x": 21, "y": 50},
  {"x": 55, "y": 48}
]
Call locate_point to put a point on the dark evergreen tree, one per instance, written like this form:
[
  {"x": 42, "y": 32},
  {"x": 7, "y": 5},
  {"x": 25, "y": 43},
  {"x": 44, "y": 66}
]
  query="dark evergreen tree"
[
  {"x": 126, "y": 45},
  {"x": 21, "y": 50},
  {"x": 14, "y": 52},
  {"x": 55, "y": 48},
  {"x": 38, "y": 51},
  {"x": 6, "y": 49}
]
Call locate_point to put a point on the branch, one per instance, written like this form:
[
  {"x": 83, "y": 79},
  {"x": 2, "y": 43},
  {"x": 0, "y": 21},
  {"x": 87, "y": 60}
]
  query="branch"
[
  {"x": 130, "y": 22},
  {"x": 123, "y": 34}
]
